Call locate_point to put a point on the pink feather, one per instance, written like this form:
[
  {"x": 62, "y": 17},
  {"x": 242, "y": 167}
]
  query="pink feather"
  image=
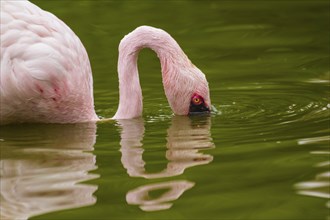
[{"x": 46, "y": 74}]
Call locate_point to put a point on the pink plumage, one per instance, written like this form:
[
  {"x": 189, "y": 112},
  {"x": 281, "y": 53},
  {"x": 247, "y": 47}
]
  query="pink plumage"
[
  {"x": 45, "y": 70},
  {"x": 46, "y": 75}
]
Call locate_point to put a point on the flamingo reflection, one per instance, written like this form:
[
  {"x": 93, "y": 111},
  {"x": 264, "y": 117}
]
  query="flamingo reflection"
[
  {"x": 48, "y": 177},
  {"x": 186, "y": 138}
]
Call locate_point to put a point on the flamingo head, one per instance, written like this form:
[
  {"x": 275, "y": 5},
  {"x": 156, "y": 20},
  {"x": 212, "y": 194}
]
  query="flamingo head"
[
  {"x": 198, "y": 105},
  {"x": 187, "y": 90}
]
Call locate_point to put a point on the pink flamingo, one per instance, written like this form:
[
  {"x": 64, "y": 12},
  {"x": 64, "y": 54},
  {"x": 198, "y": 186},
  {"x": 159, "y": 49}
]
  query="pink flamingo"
[{"x": 46, "y": 75}]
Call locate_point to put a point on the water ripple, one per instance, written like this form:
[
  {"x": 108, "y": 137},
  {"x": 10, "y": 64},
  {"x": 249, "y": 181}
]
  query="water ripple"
[{"x": 275, "y": 104}]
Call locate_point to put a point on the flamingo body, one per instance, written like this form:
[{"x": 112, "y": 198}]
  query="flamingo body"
[
  {"x": 45, "y": 70},
  {"x": 46, "y": 74}
]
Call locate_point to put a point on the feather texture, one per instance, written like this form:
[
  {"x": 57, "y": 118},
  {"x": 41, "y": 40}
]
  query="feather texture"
[
  {"x": 181, "y": 79},
  {"x": 45, "y": 70},
  {"x": 46, "y": 75}
]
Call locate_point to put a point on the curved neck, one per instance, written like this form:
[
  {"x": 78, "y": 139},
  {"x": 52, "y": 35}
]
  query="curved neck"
[{"x": 169, "y": 53}]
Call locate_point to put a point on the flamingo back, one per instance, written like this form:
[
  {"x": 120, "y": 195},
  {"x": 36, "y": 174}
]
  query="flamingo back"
[{"x": 45, "y": 70}]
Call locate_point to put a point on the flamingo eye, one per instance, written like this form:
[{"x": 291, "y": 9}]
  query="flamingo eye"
[
  {"x": 197, "y": 105},
  {"x": 197, "y": 100}
]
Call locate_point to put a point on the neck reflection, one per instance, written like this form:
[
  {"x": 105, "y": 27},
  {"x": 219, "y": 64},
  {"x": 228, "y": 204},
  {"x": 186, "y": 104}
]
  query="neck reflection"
[
  {"x": 186, "y": 139},
  {"x": 42, "y": 167}
]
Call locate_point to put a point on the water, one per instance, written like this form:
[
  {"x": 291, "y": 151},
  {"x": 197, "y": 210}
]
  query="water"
[{"x": 265, "y": 155}]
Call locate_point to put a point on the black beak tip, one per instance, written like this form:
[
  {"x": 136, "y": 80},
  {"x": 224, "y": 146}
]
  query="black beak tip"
[{"x": 199, "y": 110}]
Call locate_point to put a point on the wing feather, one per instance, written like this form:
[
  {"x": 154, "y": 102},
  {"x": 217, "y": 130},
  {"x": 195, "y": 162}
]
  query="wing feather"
[{"x": 44, "y": 67}]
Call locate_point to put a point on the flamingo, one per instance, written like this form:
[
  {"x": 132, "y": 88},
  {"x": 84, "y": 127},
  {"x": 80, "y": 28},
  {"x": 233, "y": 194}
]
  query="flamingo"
[{"x": 46, "y": 75}]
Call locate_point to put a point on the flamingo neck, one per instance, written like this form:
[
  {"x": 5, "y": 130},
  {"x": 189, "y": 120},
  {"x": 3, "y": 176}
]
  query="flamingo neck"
[{"x": 169, "y": 53}]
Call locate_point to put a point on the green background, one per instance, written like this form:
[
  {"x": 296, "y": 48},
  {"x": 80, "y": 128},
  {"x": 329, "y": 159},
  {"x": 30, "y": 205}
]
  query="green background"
[{"x": 267, "y": 63}]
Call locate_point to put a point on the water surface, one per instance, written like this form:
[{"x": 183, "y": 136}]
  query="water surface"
[{"x": 265, "y": 155}]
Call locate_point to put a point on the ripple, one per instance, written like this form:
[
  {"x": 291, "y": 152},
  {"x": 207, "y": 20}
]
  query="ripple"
[
  {"x": 314, "y": 140},
  {"x": 277, "y": 103},
  {"x": 278, "y": 112}
]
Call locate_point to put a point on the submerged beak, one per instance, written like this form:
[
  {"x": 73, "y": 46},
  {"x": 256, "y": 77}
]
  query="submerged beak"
[{"x": 198, "y": 109}]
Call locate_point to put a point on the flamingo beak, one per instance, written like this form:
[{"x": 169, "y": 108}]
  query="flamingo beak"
[{"x": 198, "y": 109}]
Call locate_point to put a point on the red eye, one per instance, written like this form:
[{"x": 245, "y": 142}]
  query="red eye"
[{"x": 197, "y": 100}]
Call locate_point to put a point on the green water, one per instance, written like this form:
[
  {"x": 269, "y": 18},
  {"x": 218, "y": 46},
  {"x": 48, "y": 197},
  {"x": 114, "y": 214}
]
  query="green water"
[{"x": 265, "y": 155}]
